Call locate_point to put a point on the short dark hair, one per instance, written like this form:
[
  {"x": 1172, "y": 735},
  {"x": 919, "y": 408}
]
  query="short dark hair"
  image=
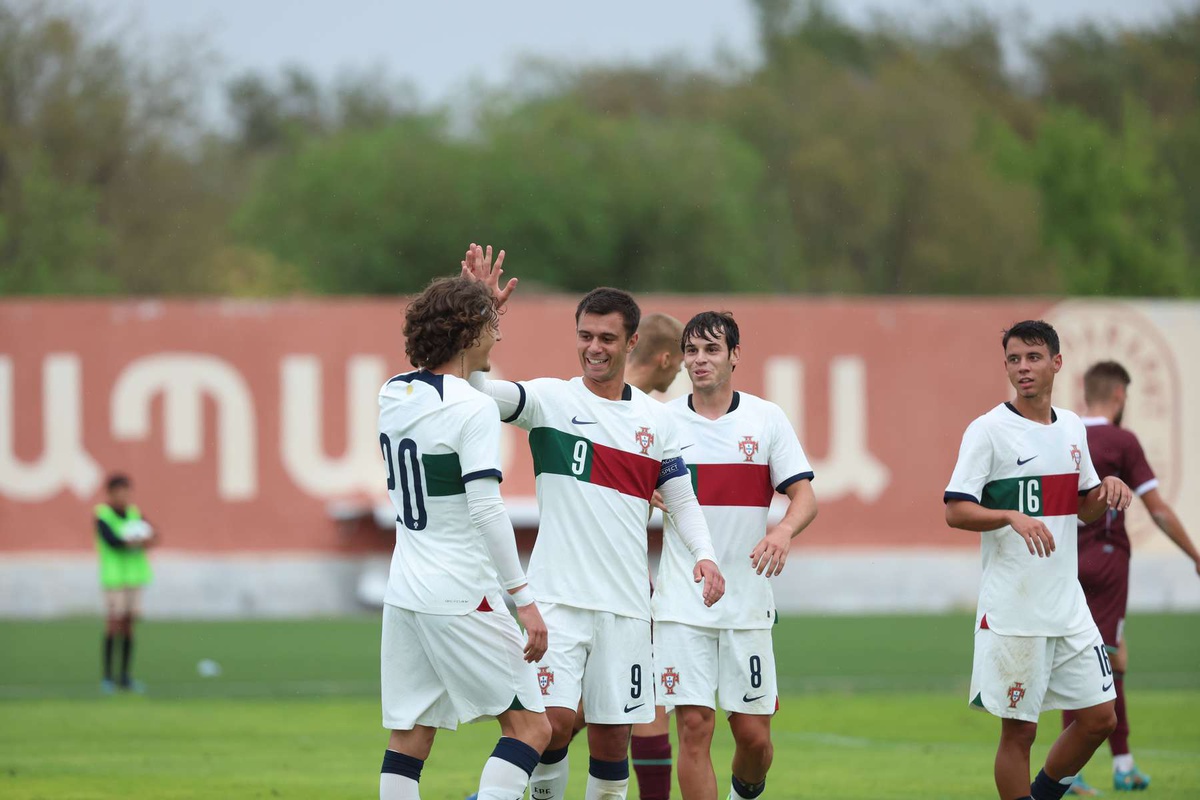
[
  {"x": 605, "y": 300},
  {"x": 118, "y": 480},
  {"x": 709, "y": 325},
  {"x": 1102, "y": 378},
  {"x": 447, "y": 318},
  {"x": 1034, "y": 331}
]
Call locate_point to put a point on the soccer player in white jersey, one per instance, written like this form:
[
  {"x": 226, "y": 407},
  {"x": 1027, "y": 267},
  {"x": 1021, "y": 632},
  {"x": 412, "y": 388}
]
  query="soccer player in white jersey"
[
  {"x": 451, "y": 653},
  {"x": 1024, "y": 474},
  {"x": 600, "y": 449},
  {"x": 743, "y": 451}
]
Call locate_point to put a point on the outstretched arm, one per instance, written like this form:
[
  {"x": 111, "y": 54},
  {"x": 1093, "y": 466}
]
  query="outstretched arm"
[
  {"x": 508, "y": 395},
  {"x": 1164, "y": 517}
]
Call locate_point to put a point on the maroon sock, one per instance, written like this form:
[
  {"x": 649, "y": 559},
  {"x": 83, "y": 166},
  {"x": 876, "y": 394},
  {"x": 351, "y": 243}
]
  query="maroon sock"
[
  {"x": 652, "y": 763},
  {"x": 1119, "y": 740}
]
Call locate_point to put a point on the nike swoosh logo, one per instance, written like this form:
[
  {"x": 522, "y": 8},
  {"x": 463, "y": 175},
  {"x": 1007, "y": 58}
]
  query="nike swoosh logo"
[
  {"x": 1021, "y": 463},
  {"x": 578, "y": 421},
  {"x": 685, "y": 447},
  {"x": 633, "y": 708},
  {"x": 748, "y": 699},
  {"x": 1106, "y": 688}
]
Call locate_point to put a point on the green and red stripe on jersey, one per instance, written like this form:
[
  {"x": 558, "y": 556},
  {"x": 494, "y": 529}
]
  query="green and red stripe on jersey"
[
  {"x": 558, "y": 453},
  {"x": 1035, "y": 495}
]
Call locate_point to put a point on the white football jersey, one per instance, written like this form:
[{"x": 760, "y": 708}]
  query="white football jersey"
[
  {"x": 436, "y": 433},
  {"x": 737, "y": 464},
  {"x": 1009, "y": 462},
  {"x": 597, "y": 463}
]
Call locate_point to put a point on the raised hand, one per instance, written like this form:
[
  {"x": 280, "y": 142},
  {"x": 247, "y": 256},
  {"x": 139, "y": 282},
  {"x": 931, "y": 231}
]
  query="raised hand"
[{"x": 477, "y": 265}]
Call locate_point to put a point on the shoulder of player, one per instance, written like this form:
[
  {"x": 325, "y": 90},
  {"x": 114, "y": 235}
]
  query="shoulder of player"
[
  {"x": 753, "y": 404},
  {"x": 402, "y": 378},
  {"x": 1068, "y": 416}
]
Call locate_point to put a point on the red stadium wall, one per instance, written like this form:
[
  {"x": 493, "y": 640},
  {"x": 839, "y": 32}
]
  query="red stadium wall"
[{"x": 241, "y": 421}]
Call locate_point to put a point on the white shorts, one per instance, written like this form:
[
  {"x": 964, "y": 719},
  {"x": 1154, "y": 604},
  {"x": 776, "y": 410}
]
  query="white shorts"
[
  {"x": 442, "y": 670},
  {"x": 602, "y": 657},
  {"x": 695, "y": 665},
  {"x": 1018, "y": 677}
]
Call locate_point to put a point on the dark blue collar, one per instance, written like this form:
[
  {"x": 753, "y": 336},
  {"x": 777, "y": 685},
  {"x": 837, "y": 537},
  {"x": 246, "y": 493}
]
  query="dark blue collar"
[
  {"x": 424, "y": 376},
  {"x": 733, "y": 404}
]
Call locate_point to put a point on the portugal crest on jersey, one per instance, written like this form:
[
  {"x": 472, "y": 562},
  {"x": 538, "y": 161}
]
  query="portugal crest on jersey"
[
  {"x": 1015, "y": 693},
  {"x": 545, "y": 677},
  {"x": 670, "y": 679},
  {"x": 749, "y": 446},
  {"x": 644, "y": 438},
  {"x": 1077, "y": 454}
]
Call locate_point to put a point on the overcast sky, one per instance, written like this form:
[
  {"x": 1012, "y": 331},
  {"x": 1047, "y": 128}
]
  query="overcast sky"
[{"x": 439, "y": 45}]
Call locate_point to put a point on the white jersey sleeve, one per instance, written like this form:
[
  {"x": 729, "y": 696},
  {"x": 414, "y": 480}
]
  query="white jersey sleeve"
[
  {"x": 788, "y": 462},
  {"x": 973, "y": 469},
  {"x": 479, "y": 447},
  {"x": 1088, "y": 477}
]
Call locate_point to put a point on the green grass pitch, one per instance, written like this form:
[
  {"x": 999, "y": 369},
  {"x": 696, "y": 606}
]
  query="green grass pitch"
[{"x": 872, "y": 708}]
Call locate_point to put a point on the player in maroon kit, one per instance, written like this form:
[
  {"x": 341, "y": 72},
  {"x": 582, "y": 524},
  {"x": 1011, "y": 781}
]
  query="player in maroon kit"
[{"x": 1104, "y": 545}]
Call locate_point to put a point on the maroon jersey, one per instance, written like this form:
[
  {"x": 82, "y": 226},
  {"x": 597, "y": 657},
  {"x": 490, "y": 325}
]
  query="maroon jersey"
[{"x": 1115, "y": 451}]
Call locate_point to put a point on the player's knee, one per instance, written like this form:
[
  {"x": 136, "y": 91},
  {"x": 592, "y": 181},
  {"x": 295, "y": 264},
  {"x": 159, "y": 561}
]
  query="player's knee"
[
  {"x": 532, "y": 728},
  {"x": 695, "y": 727},
  {"x": 1101, "y": 724},
  {"x": 562, "y": 727},
  {"x": 1018, "y": 733},
  {"x": 756, "y": 743}
]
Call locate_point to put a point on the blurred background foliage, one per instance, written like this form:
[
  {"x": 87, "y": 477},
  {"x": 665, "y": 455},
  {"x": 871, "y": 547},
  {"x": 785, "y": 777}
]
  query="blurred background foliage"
[{"x": 880, "y": 159}]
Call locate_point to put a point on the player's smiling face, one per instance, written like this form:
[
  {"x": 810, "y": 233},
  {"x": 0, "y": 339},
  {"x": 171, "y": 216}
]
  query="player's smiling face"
[
  {"x": 602, "y": 345},
  {"x": 709, "y": 362},
  {"x": 1031, "y": 368}
]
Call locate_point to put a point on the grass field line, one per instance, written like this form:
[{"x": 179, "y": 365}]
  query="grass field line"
[{"x": 864, "y": 743}]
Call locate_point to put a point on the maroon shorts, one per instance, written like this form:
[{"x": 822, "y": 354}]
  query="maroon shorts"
[{"x": 1104, "y": 575}]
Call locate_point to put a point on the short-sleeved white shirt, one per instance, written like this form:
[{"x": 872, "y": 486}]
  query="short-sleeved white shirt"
[
  {"x": 1009, "y": 462},
  {"x": 436, "y": 434},
  {"x": 597, "y": 463},
  {"x": 737, "y": 463}
]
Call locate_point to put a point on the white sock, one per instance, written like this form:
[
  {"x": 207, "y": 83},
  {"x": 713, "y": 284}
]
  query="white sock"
[
  {"x": 549, "y": 781},
  {"x": 502, "y": 780},
  {"x": 397, "y": 787},
  {"x": 598, "y": 789},
  {"x": 1123, "y": 763}
]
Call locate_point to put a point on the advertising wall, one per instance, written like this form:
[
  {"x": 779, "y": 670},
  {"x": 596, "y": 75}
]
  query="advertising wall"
[{"x": 250, "y": 431}]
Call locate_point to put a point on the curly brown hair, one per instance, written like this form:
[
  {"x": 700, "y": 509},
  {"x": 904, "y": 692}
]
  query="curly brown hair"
[{"x": 447, "y": 318}]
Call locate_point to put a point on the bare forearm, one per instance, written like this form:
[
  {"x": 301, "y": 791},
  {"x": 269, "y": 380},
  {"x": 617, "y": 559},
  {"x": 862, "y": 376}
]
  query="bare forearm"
[
  {"x": 1166, "y": 520},
  {"x": 801, "y": 511},
  {"x": 968, "y": 516},
  {"x": 1091, "y": 507}
]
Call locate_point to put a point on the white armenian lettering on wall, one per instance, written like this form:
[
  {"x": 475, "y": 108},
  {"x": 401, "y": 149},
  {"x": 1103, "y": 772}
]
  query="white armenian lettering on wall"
[{"x": 185, "y": 381}]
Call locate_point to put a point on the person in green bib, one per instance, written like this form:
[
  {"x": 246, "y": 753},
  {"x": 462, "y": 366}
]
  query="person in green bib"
[{"x": 122, "y": 537}]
